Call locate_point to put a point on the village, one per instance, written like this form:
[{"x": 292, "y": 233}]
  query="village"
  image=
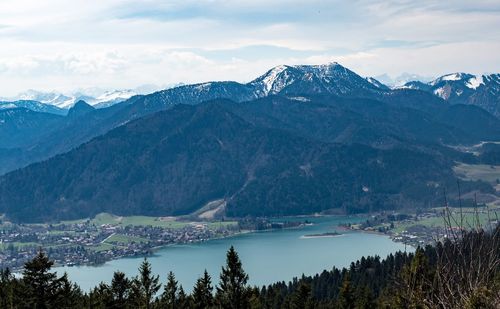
[{"x": 87, "y": 243}]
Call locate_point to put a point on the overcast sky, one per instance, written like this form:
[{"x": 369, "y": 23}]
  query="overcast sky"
[{"x": 67, "y": 44}]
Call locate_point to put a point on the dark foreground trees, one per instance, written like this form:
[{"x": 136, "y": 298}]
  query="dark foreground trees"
[{"x": 459, "y": 273}]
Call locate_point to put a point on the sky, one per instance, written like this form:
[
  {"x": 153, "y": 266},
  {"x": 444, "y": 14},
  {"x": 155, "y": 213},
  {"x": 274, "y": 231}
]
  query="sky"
[{"x": 66, "y": 45}]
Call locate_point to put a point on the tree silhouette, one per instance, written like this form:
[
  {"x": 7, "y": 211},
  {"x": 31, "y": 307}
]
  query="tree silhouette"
[
  {"x": 202, "y": 292},
  {"x": 145, "y": 286},
  {"x": 232, "y": 291}
]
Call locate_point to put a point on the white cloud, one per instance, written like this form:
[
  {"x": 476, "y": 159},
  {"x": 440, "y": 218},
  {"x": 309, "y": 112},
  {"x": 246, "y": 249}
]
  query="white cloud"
[{"x": 60, "y": 44}]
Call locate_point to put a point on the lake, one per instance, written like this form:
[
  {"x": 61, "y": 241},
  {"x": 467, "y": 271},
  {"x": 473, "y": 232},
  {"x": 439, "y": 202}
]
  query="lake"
[{"x": 267, "y": 257}]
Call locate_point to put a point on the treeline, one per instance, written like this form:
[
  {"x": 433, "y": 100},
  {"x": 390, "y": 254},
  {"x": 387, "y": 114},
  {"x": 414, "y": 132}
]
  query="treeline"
[{"x": 462, "y": 272}]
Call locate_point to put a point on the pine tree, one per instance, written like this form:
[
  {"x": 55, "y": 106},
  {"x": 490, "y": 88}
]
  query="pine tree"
[
  {"x": 7, "y": 282},
  {"x": 120, "y": 290},
  {"x": 301, "y": 298},
  {"x": 100, "y": 297},
  {"x": 39, "y": 282},
  {"x": 69, "y": 295},
  {"x": 170, "y": 295},
  {"x": 145, "y": 286},
  {"x": 232, "y": 291},
  {"x": 202, "y": 292},
  {"x": 416, "y": 282},
  {"x": 365, "y": 298},
  {"x": 346, "y": 296},
  {"x": 182, "y": 299}
]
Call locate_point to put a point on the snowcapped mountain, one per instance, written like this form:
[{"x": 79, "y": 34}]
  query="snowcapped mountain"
[
  {"x": 465, "y": 88},
  {"x": 64, "y": 102},
  {"x": 112, "y": 97},
  {"x": 51, "y": 98},
  {"x": 285, "y": 80},
  {"x": 330, "y": 78},
  {"x": 34, "y": 106},
  {"x": 402, "y": 79}
]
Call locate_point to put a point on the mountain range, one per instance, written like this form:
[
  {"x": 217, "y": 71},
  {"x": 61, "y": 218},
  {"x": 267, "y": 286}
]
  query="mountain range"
[
  {"x": 60, "y": 102},
  {"x": 298, "y": 139},
  {"x": 463, "y": 88}
]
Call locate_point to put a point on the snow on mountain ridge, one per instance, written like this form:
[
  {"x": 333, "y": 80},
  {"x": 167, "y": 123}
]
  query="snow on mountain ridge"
[
  {"x": 114, "y": 95},
  {"x": 475, "y": 82},
  {"x": 67, "y": 101}
]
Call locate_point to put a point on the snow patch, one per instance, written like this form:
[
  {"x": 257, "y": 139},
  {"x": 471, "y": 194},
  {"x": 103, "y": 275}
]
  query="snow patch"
[
  {"x": 7, "y": 106},
  {"x": 271, "y": 77},
  {"x": 440, "y": 92},
  {"x": 454, "y": 76},
  {"x": 475, "y": 82},
  {"x": 115, "y": 95},
  {"x": 301, "y": 99}
]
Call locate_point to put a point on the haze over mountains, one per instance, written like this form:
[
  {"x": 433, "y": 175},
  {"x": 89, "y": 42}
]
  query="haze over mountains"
[{"x": 298, "y": 139}]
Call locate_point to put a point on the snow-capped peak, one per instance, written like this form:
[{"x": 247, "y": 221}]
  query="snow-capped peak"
[
  {"x": 113, "y": 96},
  {"x": 51, "y": 98},
  {"x": 453, "y": 77}
]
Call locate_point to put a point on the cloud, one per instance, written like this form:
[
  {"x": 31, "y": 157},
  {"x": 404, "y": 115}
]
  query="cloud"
[{"x": 63, "y": 44}]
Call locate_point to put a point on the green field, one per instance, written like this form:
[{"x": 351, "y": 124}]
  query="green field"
[
  {"x": 488, "y": 173},
  {"x": 165, "y": 222},
  {"x": 469, "y": 220},
  {"x": 102, "y": 247}
]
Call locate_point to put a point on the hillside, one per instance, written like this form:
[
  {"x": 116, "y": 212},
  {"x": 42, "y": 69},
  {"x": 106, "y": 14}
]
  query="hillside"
[
  {"x": 174, "y": 162},
  {"x": 49, "y": 138}
]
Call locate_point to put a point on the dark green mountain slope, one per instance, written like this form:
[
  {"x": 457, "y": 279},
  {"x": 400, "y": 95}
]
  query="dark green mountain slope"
[{"x": 174, "y": 162}]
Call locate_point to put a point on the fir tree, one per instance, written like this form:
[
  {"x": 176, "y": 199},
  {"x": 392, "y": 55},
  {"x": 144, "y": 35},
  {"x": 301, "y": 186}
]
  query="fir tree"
[
  {"x": 346, "y": 296},
  {"x": 39, "y": 282},
  {"x": 6, "y": 289},
  {"x": 301, "y": 298},
  {"x": 232, "y": 291},
  {"x": 69, "y": 295},
  {"x": 170, "y": 295},
  {"x": 182, "y": 299},
  {"x": 202, "y": 292},
  {"x": 145, "y": 286},
  {"x": 120, "y": 290}
]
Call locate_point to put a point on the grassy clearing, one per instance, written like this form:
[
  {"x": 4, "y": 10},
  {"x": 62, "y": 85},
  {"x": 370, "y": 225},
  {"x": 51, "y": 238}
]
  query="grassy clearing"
[
  {"x": 469, "y": 220},
  {"x": 105, "y": 218},
  {"x": 488, "y": 173},
  {"x": 164, "y": 222},
  {"x": 102, "y": 247}
]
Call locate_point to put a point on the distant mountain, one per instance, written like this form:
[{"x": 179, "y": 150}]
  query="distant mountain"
[
  {"x": 402, "y": 79},
  {"x": 111, "y": 98},
  {"x": 50, "y": 98},
  {"x": 62, "y": 101},
  {"x": 33, "y": 106},
  {"x": 261, "y": 163},
  {"x": 79, "y": 109},
  {"x": 464, "y": 88}
]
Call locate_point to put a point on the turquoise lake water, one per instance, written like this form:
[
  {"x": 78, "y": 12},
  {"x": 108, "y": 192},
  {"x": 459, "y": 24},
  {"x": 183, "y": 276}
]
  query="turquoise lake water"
[{"x": 267, "y": 256}]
